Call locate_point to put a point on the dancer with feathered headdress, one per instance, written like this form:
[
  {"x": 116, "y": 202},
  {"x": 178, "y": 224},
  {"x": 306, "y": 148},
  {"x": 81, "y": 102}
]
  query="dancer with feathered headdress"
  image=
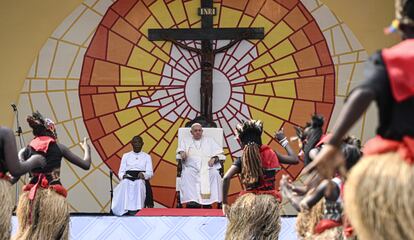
[
  {"x": 43, "y": 212},
  {"x": 255, "y": 214}
]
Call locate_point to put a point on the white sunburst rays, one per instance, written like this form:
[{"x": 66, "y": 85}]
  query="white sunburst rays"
[
  {"x": 174, "y": 101},
  {"x": 169, "y": 94},
  {"x": 234, "y": 63}
]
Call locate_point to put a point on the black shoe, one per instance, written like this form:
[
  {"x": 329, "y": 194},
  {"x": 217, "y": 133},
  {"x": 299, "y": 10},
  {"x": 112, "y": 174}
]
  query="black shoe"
[
  {"x": 132, "y": 213},
  {"x": 193, "y": 205}
]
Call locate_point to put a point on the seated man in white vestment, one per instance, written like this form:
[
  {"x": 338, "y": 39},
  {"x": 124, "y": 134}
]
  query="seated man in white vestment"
[
  {"x": 136, "y": 167},
  {"x": 200, "y": 179}
]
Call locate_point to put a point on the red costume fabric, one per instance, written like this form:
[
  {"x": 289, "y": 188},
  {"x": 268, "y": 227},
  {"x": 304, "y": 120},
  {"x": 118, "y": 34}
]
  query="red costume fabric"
[
  {"x": 41, "y": 144},
  {"x": 326, "y": 224},
  {"x": 269, "y": 158},
  {"x": 380, "y": 145},
  {"x": 324, "y": 139},
  {"x": 43, "y": 183},
  {"x": 270, "y": 163},
  {"x": 4, "y": 176},
  {"x": 347, "y": 228},
  {"x": 399, "y": 61}
]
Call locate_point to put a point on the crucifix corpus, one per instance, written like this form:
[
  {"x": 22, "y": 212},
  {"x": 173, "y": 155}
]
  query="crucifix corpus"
[{"x": 206, "y": 34}]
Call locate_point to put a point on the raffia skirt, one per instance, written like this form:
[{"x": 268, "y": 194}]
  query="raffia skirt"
[
  {"x": 6, "y": 209},
  {"x": 335, "y": 233},
  {"x": 47, "y": 217},
  {"x": 306, "y": 221},
  {"x": 254, "y": 217},
  {"x": 379, "y": 198}
]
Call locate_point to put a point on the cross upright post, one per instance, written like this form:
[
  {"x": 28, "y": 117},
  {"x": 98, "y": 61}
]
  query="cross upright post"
[{"x": 206, "y": 34}]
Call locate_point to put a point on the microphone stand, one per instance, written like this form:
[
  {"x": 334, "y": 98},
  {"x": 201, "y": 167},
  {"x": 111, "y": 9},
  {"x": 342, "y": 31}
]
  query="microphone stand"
[
  {"x": 111, "y": 173},
  {"x": 21, "y": 141},
  {"x": 18, "y": 127}
]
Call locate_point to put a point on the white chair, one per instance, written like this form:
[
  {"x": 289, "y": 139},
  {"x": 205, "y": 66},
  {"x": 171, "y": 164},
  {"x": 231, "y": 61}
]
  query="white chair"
[{"x": 215, "y": 133}]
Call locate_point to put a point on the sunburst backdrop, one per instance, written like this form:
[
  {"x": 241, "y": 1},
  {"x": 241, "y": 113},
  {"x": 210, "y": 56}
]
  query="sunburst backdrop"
[{"x": 99, "y": 76}]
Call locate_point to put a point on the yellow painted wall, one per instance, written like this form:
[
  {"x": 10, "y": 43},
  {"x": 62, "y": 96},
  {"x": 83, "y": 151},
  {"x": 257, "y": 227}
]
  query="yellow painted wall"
[
  {"x": 26, "y": 24},
  {"x": 367, "y": 20}
]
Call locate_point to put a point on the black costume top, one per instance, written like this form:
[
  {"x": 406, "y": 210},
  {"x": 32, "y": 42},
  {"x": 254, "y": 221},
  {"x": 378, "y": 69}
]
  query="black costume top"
[
  {"x": 53, "y": 157},
  {"x": 396, "y": 118}
]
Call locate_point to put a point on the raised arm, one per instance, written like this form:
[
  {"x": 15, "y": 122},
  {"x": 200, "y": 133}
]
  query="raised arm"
[
  {"x": 14, "y": 165},
  {"x": 374, "y": 86},
  {"x": 84, "y": 163},
  {"x": 358, "y": 102},
  {"x": 292, "y": 157},
  {"x": 356, "y": 105}
]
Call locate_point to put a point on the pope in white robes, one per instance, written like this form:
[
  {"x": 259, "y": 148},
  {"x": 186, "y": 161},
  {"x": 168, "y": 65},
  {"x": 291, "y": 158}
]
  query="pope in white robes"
[
  {"x": 200, "y": 178},
  {"x": 136, "y": 167}
]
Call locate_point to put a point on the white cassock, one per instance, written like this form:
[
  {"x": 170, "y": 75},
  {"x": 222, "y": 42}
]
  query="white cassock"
[
  {"x": 199, "y": 182},
  {"x": 130, "y": 195}
]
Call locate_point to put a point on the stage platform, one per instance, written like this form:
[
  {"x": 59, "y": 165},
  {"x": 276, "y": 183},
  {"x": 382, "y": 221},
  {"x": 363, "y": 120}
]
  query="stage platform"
[{"x": 159, "y": 223}]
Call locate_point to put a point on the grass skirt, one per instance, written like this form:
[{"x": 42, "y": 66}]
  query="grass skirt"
[
  {"x": 379, "y": 198},
  {"x": 49, "y": 216},
  {"x": 330, "y": 234},
  {"x": 306, "y": 221},
  {"x": 6, "y": 209},
  {"x": 254, "y": 217}
]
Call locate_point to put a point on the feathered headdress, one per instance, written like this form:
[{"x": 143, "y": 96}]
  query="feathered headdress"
[
  {"x": 249, "y": 131},
  {"x": 250, "y": 135},
  {"x": 41, "y": 126}
]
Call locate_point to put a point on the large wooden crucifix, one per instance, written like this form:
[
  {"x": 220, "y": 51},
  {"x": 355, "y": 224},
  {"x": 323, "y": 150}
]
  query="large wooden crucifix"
[{"x": 206, "y": 34}]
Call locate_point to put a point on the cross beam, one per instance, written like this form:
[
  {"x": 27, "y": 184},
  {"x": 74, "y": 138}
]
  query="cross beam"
[{"x": 206, "y": 34}]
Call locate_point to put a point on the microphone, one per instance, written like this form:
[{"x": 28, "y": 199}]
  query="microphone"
[{"x": 14, "y": 107}]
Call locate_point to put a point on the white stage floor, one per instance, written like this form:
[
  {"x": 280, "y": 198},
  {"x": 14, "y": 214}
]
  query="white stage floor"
[{"x": 153, "y": 228}]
